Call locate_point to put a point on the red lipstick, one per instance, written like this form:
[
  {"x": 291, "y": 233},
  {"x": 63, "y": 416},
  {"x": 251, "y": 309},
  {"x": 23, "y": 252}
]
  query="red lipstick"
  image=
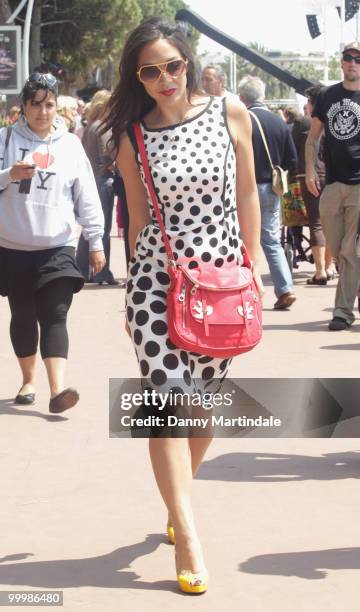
[{"x": 168, "y": 92}]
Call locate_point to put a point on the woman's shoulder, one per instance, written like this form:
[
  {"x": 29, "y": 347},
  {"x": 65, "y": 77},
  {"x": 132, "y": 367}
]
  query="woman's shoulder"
[
  {"x": 201, "y": 99},
  {"x": 127, "y": 142},
  {"x": 73, "y": 146},
  {"x": 234, "y": 107},
  {"x": 4, "y": 131},
  {"x": 72, "y": 140}
]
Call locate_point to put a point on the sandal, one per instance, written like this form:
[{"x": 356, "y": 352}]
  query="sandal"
[
  {"x": 193, "y": 583},
  {"x": 170, "y": 534},
  {"x": 317, "y": 281}
]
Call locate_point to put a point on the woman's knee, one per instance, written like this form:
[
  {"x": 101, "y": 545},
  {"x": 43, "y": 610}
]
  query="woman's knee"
[
  {"x": 52, "y": 315},
  {"x": 54, "y": 300},
  {"x": 317, "y": 238}
]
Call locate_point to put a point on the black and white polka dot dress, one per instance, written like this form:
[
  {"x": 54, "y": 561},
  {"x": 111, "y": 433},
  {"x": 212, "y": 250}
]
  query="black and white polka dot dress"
[{"x": 193, "y": 171}]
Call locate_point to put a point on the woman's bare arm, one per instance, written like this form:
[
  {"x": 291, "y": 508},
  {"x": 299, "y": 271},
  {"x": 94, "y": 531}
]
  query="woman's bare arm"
[
  {"x": 247, "y": 198},
  {"x": 136, "y": 197},
  {"x": 312, "y": 179}
]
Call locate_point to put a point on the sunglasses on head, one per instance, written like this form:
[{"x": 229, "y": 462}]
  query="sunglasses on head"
[
  {"x": 152, "y": 72},
  {"x": 47, "y": 80},
  {"x": 347, "y": 57}
]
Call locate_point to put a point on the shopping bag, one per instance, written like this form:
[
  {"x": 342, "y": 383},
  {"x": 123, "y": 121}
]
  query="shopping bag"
[{"x": 293, "y": 207}]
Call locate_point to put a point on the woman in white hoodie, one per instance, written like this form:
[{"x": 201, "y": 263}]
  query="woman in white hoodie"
[{"x": 47, "y": 185}]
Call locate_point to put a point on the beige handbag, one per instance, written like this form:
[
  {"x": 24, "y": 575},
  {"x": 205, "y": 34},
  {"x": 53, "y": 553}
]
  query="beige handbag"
[{"x": 279, "y": 177}]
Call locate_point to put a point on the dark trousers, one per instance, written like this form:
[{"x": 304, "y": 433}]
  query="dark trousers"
[{"x": 47, "y": 307}]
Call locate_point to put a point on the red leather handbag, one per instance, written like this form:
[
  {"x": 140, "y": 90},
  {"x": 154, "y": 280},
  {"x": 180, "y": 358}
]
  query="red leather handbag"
[{"x": 210, "y": 311}]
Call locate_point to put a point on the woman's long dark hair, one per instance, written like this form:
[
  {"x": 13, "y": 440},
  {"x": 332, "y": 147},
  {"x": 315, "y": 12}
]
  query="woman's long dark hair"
[{"x": 129, "y": 101}]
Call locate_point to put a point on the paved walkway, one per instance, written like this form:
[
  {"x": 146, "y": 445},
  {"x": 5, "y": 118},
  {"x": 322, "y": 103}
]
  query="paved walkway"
[{"x": 80, "y": 512}]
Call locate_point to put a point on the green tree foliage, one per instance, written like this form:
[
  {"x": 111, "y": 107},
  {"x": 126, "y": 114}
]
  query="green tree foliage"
[
  {"x": 82, "y": 34},
  {"x": 334, "y": 68}
]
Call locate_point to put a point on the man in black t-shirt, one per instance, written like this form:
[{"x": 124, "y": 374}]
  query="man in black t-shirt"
[{"x": 337, "y": 110}]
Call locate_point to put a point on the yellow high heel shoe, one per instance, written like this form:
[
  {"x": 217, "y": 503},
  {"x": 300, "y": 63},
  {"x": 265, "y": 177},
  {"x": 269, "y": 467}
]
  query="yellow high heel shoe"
[
  {"x": 170, "y": 534},
  {"x": 193, "y": 582}
]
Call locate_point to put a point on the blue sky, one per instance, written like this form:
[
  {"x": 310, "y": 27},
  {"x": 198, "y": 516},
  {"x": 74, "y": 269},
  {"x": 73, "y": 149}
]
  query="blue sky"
[{"x": 276, "y": 24}]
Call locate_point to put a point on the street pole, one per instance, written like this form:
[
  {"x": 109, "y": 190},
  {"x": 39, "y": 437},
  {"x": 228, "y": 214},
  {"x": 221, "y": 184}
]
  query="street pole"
[
  {"x": 326, "y": 56},
  {"x": 230, "y": 83},
  {"x": 26, "y": 39},
  {"x": 342, "y": 26},
  {"x": 234, "y": 74}
]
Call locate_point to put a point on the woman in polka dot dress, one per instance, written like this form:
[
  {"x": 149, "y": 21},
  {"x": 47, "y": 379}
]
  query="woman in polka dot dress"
[{"x": 200, "y": 156}]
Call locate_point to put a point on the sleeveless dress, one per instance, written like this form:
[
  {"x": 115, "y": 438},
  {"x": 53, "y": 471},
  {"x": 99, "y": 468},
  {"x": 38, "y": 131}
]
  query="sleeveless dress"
[{"x": 193, "y": 170}]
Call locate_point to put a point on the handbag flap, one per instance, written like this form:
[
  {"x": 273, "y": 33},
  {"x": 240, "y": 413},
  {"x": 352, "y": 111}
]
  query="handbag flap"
[
  {"x": 225, "y": 278},
  {"x": 223, "y": 308}
]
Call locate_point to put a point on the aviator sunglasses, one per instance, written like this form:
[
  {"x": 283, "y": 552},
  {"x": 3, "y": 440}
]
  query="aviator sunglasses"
[
  {"x": 47, "y": 80},
  {"x": 152, "y": 72},
  {"x": 347, "y": 57}
]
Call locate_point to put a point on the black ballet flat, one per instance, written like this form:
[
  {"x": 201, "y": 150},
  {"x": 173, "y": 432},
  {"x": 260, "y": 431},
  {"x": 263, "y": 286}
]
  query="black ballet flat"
[{"x": 26, "y": 399}]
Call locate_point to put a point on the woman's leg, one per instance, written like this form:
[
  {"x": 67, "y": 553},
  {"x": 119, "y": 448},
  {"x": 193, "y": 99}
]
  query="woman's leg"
[
  {"x": 27, "y": 366},
  {"x": 329, "y": 262},
  {"x": 171, "y": 461},
  {"x": 197, "y": 448},
  {"x": 318, "y": 253},
  {"x": 52, "y": 303},
  {"x": 23, "y": 324},
  {"x": 55, "y": 369},
  {"x": 317, "y": 238}
]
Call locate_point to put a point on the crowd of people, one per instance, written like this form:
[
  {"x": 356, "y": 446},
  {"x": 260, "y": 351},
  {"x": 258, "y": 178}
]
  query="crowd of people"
[
  {"x": 212, "y": 176},
  {"x": 331, "y": 140}
]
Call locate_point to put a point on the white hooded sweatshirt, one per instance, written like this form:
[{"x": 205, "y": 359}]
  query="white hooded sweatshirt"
[{"x": 63, "y": 192}]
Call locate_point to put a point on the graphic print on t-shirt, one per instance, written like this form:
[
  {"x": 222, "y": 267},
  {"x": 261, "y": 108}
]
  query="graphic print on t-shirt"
[
  {"x": 344, "y": 119},
  {"x": 43, "y": 160}
]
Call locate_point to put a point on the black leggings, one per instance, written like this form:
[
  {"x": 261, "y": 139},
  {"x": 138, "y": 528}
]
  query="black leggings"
[{"x": 48, "y": 306}]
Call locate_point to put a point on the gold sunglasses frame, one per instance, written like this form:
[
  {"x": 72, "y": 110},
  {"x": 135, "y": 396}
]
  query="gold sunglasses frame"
[{"x": 161, "y": 70}]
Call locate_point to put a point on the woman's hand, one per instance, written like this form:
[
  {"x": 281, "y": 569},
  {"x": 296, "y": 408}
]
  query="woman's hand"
[
  {"x": 258, "y": 282},
  {"x": 97, "y": 261},
  {"x": 313, "y": 184},
  {"x": 22, "y": 170}
]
